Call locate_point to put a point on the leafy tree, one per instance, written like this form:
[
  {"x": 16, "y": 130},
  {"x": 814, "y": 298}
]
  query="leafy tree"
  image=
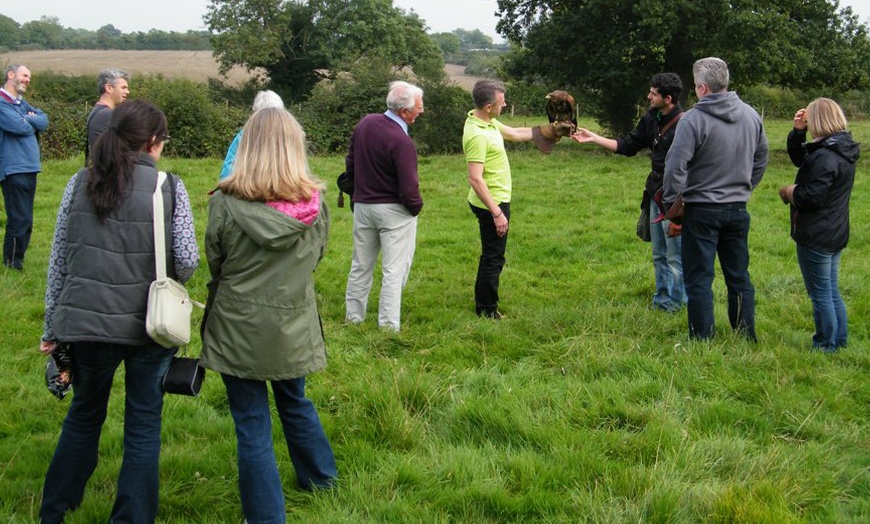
[
  {"x": 107, "y": 34},
  {"x": 9, "y": 29},
  {"x": 299, "y": 42},
  {"x": 449, "y": 43},
  {"x": 474, "y": 39},
  {"x": 45, "y": 32},
  {"x": 608, "y": 49}
]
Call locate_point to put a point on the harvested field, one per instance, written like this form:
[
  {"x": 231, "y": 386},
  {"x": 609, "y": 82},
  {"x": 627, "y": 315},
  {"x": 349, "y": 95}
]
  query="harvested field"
[
  {"x": 194, "y": 65},
  {"x": 458, "y": 76}
]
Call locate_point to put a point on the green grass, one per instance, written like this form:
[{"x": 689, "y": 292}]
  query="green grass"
[{"x": 583, "y": 405}]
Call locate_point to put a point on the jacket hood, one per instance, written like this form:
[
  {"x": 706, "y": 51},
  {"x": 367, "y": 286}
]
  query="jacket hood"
[
  {"x": 840, "y": 143},
  {"x": 724, "y": 106},
  {"x": 267, "y": 227}
]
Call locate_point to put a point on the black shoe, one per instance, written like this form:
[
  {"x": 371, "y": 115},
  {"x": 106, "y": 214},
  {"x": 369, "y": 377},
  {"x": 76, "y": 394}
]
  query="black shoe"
[
  {"x": 14, "y": 264},
  {"x": 489, "y": 313}
]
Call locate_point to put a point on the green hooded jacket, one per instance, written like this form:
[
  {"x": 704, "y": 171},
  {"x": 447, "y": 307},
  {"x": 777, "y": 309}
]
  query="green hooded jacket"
[{"x": 261, "y": 320}]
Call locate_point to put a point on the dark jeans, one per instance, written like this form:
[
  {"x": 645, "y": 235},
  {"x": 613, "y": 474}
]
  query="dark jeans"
[
  {"x": 75, "y": 458},
  {"x": 708, "y": 230},
  {"x": 491, "y": 259},
  {"x": 19, "y": 192},
  {"x": 259, "y": 482}
]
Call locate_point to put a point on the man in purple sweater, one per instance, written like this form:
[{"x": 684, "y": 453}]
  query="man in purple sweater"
[{"x": 382, "y": 162}]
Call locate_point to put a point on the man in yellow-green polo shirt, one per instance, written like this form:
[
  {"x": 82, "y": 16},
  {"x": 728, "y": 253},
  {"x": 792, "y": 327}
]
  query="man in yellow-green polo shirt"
[{"x": 489, "y": 174}]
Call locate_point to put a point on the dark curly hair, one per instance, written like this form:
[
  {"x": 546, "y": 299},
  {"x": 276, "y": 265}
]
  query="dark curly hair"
[{"x": 668, "y": 84}]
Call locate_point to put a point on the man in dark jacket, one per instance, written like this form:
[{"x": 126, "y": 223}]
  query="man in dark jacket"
[
  {"x": 113, "y": 87},
  {"x": 718, "y": 156},
  {"x": 382, "y": 162},
  {"x": 655, "y": 131}
]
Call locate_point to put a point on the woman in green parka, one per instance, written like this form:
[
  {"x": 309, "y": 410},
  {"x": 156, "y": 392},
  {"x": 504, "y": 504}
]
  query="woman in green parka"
[{"x": 267, "y": 230}]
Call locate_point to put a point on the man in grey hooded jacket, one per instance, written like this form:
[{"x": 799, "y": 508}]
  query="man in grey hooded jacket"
[{"x": 718, "y": 157}]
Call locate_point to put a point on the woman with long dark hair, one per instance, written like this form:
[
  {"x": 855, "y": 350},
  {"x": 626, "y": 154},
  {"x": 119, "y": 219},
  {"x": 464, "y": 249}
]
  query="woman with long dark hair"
[{"x": 101, "y": 265}]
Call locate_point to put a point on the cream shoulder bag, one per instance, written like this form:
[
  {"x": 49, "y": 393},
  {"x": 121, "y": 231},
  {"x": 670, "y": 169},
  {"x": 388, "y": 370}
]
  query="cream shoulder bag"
[{"x": 167, "y": 320}]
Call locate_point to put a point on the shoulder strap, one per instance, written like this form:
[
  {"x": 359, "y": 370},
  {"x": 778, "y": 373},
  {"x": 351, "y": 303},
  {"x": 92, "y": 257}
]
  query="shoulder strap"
[
  {"x": 670, "y": 123},
  {"x": 159, "y": 233}
]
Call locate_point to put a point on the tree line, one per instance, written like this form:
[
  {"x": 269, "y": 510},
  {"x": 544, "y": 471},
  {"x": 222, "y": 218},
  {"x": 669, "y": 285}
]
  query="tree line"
[{"x": 47, "y": 33}]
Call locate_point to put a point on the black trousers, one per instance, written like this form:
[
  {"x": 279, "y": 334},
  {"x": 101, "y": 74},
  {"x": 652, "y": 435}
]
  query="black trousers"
[{"x": 492, "y": 250}]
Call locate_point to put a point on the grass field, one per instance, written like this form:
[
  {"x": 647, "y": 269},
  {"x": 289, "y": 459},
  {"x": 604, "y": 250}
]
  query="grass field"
[{"x": 583, "y": 405}]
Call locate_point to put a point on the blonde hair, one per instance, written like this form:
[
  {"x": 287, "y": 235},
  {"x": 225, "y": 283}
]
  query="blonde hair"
[
  {"x": 825, "y": 117},
  {"x": 271, "y": 163}
]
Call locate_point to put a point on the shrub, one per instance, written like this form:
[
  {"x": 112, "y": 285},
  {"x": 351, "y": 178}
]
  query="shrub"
[
  {"x": 201, "y": 125},
  {"x": 526, "y": 99},
  {"x": 483, "y": 63},
  {"x": 336, "y": 105},
  {"x": 439, "y": 130},
  {"x": 778, "y": 102},
  {"x": 774, "y": 102},
  {"x": 65, "y": 136}
]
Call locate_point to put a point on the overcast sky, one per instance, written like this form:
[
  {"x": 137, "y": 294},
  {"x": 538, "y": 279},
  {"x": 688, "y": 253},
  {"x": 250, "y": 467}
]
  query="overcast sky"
[{"x": 181, "y": 15}]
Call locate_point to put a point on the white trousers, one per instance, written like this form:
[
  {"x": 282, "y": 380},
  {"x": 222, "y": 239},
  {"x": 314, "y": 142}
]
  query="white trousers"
[{"x": 390, "y": 230}]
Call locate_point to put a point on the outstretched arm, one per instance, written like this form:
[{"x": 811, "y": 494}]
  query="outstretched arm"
[
  {"x": 516, "y": 134},
  {"x": 585, "y": 136}
]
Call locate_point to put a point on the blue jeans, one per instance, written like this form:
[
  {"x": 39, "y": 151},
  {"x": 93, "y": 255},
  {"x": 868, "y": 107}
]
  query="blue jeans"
[
  {"x": 668, "y": 264},
  {"x": 820, "y": 270},
  {"x": 259, "y": 482},
  {"x": 708, "y": 230},
  {"x": 19, "y": 192},
  {"x": 492, "y": 250},
  {"x": 75, "y": 458}
]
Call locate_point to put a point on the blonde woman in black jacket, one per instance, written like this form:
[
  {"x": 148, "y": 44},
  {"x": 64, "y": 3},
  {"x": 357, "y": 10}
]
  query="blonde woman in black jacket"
[{"x": 819, "y": 202}]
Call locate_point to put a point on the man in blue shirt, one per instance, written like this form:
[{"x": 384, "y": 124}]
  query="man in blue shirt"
[{"x": 20, "y": 125}]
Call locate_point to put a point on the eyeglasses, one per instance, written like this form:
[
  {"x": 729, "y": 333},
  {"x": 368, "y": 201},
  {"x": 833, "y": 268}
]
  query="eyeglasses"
[{"x": 164, "y": 138}]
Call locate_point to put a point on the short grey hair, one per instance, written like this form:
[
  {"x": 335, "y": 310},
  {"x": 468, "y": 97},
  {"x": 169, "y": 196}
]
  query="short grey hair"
[
  {"x": 11, "y": 68},
  {"x": 713, "y": 72},
  {"x": 486, "y": 92},
  {"x": 402, "y": 95},
  {"x": 108, "y": 76},
  {"x": 267, "y": 98}
]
